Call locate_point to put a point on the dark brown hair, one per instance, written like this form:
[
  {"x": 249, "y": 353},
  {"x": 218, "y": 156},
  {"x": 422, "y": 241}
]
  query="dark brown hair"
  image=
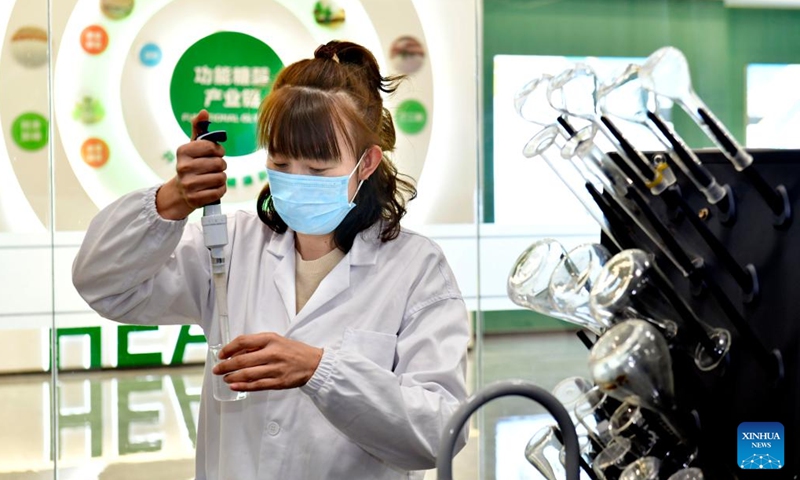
[{"x": 316, "y": 103}]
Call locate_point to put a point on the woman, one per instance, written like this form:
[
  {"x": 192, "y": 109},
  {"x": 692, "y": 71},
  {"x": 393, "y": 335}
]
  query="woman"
[{"x": 351, "y": 333}]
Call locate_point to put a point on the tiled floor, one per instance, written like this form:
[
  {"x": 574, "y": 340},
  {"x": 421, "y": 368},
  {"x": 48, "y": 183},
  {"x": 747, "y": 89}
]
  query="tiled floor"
[{"x": 130, "y": 425}]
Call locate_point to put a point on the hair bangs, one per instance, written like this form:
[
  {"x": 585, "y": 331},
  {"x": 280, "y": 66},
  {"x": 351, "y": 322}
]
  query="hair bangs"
[{"x": 307, "y": 123}]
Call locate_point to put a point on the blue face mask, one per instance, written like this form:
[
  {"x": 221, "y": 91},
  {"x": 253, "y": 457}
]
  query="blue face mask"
[{"x": 310, "y": 204}]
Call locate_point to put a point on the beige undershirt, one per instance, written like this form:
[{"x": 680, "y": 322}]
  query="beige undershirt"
[{"x": 309, "y": 274}]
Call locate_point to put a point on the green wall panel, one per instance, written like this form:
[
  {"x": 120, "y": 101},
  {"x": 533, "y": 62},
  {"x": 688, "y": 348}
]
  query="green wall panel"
[{"x": 515, "y": 321}]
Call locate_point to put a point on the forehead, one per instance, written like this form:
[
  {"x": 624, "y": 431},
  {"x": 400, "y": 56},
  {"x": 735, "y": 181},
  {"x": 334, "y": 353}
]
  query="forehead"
[
  {"x": 343, "y": 148},
  {"x": 303, "y": 123}
]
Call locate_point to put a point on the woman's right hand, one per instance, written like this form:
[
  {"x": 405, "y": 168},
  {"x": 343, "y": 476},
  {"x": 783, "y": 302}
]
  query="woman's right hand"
[{"x": 200, "y": 178}]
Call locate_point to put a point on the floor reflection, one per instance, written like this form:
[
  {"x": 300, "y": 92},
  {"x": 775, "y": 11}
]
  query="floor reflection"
[
  {"x": 110, "y": 424},
  {"x": 131, "y": 425}
]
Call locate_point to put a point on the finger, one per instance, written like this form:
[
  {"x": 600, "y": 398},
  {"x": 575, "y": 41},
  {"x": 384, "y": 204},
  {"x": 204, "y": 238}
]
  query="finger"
[
  {"x": 242, "y": 361},
  {"x": 202, "y": 148},
  {"x": 205, "y": 197},
  {"x": 193, "y": 184},
  {"x": 202, "y": 116},
  {"x": 246, "y": 343},
  {"x": 200, "y": 166},
  {"x": 252, "y": 374},
  {"x": 263, "y": 384}
]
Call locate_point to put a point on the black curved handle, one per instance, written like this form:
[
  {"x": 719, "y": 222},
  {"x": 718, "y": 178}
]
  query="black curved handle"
[{"x": 444, "y": 461}]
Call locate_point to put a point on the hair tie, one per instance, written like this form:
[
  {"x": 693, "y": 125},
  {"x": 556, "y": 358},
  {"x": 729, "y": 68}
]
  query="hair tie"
[{"x": 327, "y": 52}]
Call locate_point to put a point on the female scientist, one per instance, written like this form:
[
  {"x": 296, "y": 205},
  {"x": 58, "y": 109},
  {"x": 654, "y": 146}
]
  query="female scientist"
[{"x": 350, "y": 332}]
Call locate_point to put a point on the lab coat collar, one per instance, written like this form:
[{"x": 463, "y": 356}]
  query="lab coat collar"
[
  {"x": 282, "y": 244},
  {"x": 365, "y": 246},
  {"x": 363, "y": 253}
]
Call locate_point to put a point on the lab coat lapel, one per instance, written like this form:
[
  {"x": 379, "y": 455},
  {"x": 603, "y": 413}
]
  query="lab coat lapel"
[
  {"x": 336, "y": 282},
  {"x": 283, "y": 248}
]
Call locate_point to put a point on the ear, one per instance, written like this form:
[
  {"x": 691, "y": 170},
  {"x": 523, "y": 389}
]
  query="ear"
[{"x": 372, "y": 158}]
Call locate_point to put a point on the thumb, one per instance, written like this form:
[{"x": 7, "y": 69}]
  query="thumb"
[{"x": 197, "y": 130}]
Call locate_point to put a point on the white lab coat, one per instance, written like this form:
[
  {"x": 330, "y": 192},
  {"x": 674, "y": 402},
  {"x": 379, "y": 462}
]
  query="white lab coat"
[{"x": 389, "y": 316}]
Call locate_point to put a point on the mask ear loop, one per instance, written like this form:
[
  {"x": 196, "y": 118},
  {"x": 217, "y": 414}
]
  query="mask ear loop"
[{"x": 361, "y": 182}]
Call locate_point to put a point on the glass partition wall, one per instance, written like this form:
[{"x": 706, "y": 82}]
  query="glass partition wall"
[
  {"x": 741, "y": 63},
  {"x": 96, "y": 96},
  {"x": 26, "y": 228}
]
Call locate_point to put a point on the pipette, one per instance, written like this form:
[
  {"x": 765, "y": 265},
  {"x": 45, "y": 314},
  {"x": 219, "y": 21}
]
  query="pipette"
[{"x": 215, "y": 236}]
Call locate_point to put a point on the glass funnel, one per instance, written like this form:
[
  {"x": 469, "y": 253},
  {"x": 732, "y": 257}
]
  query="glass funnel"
[
  {"x": 531, "y": 103},
  {"x": 631, "y": 362},
  {"x": 529, "y": 280},
  {"x": 571, "y": 284},
  {"x": 570, "y": 392},
  {"x": 574, "y": 92},
  {"x": 625, "y": 289},
  {"x": 593, "y": 411},
  {"x": 626, "y": 98},
  {"x": 666, "y": 73},
  {"x": 629, "y": 421},
  {"x": 622, "y": 279},
  {"x": 540, "y": 146},
  {"x": 543, "y": 452}
]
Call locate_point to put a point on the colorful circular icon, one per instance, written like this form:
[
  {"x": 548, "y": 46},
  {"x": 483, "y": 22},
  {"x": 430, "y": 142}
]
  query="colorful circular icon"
[
  {"x": 29, "y": 46},
  {"x": 407, "y": 54},
  {"x": 228, "y": 74},
  {"x": 95, "y": 152},
  {"x": 30, "y": 131},
  {"x": 150, "y": 55},
  {"x": 88, "y": 110},
  {"x": 94, "y": 39},
  {"x": 116, "y": 9},
  {"x": 328, "y": 13},
  {"x": 411, "y": 116}
]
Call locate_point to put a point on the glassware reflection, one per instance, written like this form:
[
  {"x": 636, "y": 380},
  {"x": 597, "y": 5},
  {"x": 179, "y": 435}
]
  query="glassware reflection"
[
  {"x": 645, "y": 468},
  {"x": 593, "y": 411},
  {"x": 609, "y": 463},
  {"x": 687, "y": 474},
  {"x": 628, "y": 421}
]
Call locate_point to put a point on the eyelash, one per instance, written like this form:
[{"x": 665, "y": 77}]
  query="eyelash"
[{"x": 315, "y": 171}]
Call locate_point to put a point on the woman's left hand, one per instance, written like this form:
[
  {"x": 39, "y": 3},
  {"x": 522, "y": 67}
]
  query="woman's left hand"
[{"x": 267, "y": 361}]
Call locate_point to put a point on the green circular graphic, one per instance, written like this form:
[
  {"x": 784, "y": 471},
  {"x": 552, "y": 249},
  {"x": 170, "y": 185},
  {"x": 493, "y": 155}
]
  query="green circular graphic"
[
  {"x": 411, "y": 116},
  {"x": 29, "y": 131},
  {"x": 228, "y": 74}
]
